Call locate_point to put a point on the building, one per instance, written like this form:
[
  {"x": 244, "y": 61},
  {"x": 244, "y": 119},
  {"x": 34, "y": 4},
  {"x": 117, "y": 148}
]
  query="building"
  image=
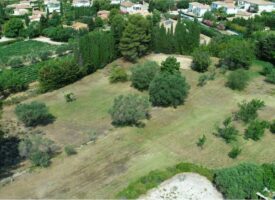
[
  {"x": 116, "y": 2},
  {"x": 131, "y": 8},
  {"x": 256, "y": 5},
  {"x": 36, "y": 15},
  {"x": 80, "y": 26},
  {"x": 228, "y": 6},
  {"x": 20, "y": 9},
  {"x": 82, "y": 3},
  {"x": 52, "y": 6},
  {"x": 198, "y": 9},
  {"x": 103, "y": 14}
]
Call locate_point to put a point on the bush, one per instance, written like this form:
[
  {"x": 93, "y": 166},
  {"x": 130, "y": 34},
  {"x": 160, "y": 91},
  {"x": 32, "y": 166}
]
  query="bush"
[
  {"x": 201, "y": 141},
  {"x": 38, "y": 149},
  {"x": 69, "y": 97},
  {"x": 234, "y": 152},
  {"x": 271, "y": 77},
  {"x": 170, "y": 65},
  {"x": 41, "y": 159},
  {"x": 248, "y": 110},
  {"x": 33, "y": 114},
  {"x": 13, "y": 27},
  {"x": 129, "y": 109},
  {"x": 237, "y": 54},
  {"x": 237, "y": 80},
  {"x": 59, "y": 34},
  {"x": 272, "y": 127},
  {"x": 256, "y": 130},
  {"x": 269, "y": 176},
  {"x": 45, "y": 55},
  {"x": 228, "y": 132},
  {"x": 240, "y": 182},
  {"x": 16, "y": 62},
  {"x": 118, "y": 74},
  {"x": 11, "y": 82},
  {"x": 201, "y": 60},
  {"x": 58, "y": 73},
  {"x": 168, "y": 90},
  {"x": 202, "y": 80},
  {"x": 143, "y": 74},
  {"x": 69, "y": 150}
]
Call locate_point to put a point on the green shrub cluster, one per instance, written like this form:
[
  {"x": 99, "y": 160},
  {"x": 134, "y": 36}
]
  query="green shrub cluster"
[
  {"x": 256, "y": 129},
  {"x": 238, "y": 79},
  {"x": 33, "y": 114},
  {"x": 248, "y": 110},
  {"x": 228, "y": 132},
  {"x": 143, "y": 74},
  {"x": 129, "y": 109},
  {"x": 69, "y": 150},
  {"x": 201, "y": 60},
  {"x": 118, "y": 74},
  {"x": 38, "y": 149}
]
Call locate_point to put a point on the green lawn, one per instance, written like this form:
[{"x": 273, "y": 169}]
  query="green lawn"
[
  {"x": 23, "y": 48},
  {"x": 121, "y": 155}
]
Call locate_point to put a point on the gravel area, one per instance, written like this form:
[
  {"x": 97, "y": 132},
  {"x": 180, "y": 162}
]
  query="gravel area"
[{"x": 184, "y": 186}]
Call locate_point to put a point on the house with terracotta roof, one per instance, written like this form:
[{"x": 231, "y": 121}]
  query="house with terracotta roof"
[
  {"x": 132, "y": 8},
  {"x": 228, "y": 6},
  {"x": 198, "y": 9},
  {"x": 103, "y": 14},
  {"x": 260, "y": 5}
]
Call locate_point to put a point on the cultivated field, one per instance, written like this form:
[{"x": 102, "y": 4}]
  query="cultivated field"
[
  {"x": 120, "y": 155},
  {"x": 23, "y": 48}
]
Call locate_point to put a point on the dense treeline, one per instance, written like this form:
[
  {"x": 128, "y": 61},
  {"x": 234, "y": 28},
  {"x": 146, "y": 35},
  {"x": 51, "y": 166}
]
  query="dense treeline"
[
  {"x": 95, "y": 50},
  {"x": 183, "y": 40}
]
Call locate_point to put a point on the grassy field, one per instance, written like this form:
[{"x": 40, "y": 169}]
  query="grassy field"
[
  {"x": 121, "y": 155},
  {"x": 23, "y": 48}
]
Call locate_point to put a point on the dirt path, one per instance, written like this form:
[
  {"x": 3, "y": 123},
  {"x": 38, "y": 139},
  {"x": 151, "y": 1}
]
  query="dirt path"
[
  {"x": 184, "y": 186},
  {"x": 185, "y": 61},
  {"x": 47, "y": 40}
]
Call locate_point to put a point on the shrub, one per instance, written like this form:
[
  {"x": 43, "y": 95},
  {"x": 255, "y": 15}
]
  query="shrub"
[
  {"x": 269, "y": 176},
  {"x": 69, "y": 97},
  {"x": 267, "y": 69},
  {"x": 271, "y": 77},
  {"x": 143, "y": 74},
  {"x": 201, "y": 141},
  {"x": 58, "y": 73},
  {"x": 118, "y": 74},
  {"x": 201, "y": 60},
  {"x": 237, "y": 80},
  {"x": 59, "y": 34},
  {"x": 202, "y": 80},
  {"x": 265, "y": 46},
  {"x": 38, "y": 149},
  {"x": 11, "y": 82},
  {"x": 45, "y": 55},
  {"x": 13, "y": 27},
  {"x": 168, "y": 90},
  {"x": 15, "y": 62},
  {"x": 41, "y": 159},
  {"x": 240, "y": 182},
  {"x": 237, "y": 54},
  {"x": 228, "y": 132},
  {"x": 272, "y": 127},
  {"x": 248, "y": 110},
  {"x": 33, "y": 114},
  {"x": 69, "y": 150},
  {"x": 235, "y": 151},
  {"x": 129, "y": 109},
  {"x": 170, "y": 65},
  {"x": 256, "y": 130}
]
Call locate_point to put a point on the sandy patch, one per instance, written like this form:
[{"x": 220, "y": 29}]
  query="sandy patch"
[
  {"x": 185, "y": 61},
  {"x": 5, "y": 39},
  {"x": 184, "y": 186},
  {"x": 47, "y": 40}
]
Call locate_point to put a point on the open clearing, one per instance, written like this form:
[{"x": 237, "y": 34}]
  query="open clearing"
[
  {"x": 121, "y": 155},
  {"x": 184, "y": 186}
]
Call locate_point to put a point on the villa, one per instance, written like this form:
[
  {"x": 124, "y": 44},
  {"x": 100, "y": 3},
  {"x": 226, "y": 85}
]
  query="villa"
[
  {"x": 82, "y": 3},
  {"x": 256, "y": 5},
  {"x": 228, "y": 6},
  {"x": 198, "y": 9}
]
